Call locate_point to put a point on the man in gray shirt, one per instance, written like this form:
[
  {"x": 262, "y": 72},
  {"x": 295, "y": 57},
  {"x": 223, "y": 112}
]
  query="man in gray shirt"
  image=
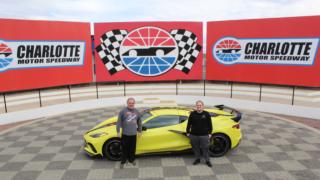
[{"x": 130, "y": 122}]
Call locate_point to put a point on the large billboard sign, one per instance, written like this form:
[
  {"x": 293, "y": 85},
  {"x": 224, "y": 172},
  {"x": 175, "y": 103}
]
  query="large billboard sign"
[
  {"x": 40, "y": 54},
  {"x": 276, "y": 51},
  {"x": 37, "y": 54},
  {"x": 148, "y": 51}
]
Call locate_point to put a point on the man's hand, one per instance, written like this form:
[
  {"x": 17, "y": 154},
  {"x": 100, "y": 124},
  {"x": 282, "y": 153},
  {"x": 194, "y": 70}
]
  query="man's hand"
[
  {"x": 188, "y": 134},
  {"x": 209, "y": 136},
  {"x": 119, "y": 135}
]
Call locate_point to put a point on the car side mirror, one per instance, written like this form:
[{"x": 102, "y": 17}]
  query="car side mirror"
[{"x": 144, "y": 128}]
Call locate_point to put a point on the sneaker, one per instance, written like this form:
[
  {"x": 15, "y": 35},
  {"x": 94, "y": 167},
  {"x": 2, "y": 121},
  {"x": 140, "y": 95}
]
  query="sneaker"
[
  {"x": 121, "y": 165},
  {"x": 197, "y": 161},
  {"x": 133, "y": 163},
  {"x": 208, "y": 163}
]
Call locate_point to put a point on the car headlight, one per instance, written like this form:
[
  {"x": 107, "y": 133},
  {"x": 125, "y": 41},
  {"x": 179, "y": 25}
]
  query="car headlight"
[{"x": 96, "y": 135}]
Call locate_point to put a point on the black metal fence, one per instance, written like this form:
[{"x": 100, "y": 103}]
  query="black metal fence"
[{"x": 123, "y": 88}]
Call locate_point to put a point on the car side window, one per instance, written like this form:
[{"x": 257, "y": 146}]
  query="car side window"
[{"x": 162, "y": 121}]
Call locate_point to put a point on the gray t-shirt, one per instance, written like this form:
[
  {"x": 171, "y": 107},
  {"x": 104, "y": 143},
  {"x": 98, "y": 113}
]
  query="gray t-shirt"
[{"x": 129, "y": 120}]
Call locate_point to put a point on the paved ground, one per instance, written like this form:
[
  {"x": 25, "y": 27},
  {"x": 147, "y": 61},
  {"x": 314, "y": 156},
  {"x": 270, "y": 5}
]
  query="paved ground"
[
  {"x": 51, "y": 149},
  {"x": 306, "y": 121}
]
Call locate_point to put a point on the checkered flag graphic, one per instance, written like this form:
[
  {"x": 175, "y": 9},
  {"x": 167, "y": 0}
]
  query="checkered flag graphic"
[
  {"x": 189, "y": 49},
  {"x": 108, "y": 50}
]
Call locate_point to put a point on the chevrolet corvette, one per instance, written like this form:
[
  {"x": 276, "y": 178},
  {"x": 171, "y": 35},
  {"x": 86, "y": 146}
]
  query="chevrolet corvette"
[{"x": 164, "y": 131}]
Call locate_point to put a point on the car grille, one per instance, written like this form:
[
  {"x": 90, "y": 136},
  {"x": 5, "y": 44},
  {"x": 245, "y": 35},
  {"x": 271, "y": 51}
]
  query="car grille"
[{"x": 92, "y": 147}]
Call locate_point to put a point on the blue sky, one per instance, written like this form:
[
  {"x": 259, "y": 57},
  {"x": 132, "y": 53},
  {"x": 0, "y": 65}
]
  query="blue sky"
[{"x": 155, "y": 10}]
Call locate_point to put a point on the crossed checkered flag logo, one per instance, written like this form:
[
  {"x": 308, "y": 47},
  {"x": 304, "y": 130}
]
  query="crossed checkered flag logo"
[
  {"x": 109, "y": 49},
  {"x": 189, "y": 49}
]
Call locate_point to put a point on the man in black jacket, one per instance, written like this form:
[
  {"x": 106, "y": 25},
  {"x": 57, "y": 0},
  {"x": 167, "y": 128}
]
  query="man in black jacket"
[{"x": 199, "y": 130}]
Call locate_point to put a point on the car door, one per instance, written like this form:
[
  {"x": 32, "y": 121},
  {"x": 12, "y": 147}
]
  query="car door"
[{"x": 161, "y": 133}]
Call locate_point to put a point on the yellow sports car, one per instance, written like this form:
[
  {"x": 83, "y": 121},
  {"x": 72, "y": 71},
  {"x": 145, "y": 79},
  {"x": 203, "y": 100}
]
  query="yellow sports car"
[{"x": 164, "y": 130}]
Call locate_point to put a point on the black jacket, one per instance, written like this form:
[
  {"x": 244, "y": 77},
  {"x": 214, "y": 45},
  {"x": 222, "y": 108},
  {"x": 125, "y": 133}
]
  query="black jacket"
[{"x": 199, "y": 124}]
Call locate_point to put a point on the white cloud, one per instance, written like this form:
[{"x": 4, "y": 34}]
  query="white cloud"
[
  {"x": 205, "y": 10},
  {"x": 156, "y": 10}
]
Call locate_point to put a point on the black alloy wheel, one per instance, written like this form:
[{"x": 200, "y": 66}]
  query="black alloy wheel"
[
  {"x": 112, "y": 149},
  {"x": 219, "y": 145}
]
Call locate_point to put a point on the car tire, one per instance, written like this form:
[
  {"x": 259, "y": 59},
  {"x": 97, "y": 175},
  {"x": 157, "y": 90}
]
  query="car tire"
[
  {"x": 219, "y": 145},
  {"x": 112, "y": 149}
]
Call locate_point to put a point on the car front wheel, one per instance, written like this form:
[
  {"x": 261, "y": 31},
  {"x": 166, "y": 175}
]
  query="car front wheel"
[
  {"x": 219, "y": 145},
  {"x": 112, "y": 149}
]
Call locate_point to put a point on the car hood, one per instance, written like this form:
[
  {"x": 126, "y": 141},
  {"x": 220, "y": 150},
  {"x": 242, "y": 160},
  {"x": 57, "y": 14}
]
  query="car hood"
[{"x": 105, "y": 124}]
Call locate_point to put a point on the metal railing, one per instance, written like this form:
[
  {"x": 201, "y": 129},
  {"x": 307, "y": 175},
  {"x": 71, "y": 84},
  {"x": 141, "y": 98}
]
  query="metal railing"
[{"x": 15, "y": 101}]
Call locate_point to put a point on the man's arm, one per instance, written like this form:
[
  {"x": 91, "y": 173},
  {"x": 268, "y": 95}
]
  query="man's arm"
[
  {"x": 139, "y": 123},
  {"x": 189, "y": 123},
  {"x": 209, "y": 123}
]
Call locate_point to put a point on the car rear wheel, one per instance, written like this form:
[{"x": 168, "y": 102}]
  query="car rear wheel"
[
  {"x": 112, "y": 149},
  {"x": 219, "y": 145}
]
